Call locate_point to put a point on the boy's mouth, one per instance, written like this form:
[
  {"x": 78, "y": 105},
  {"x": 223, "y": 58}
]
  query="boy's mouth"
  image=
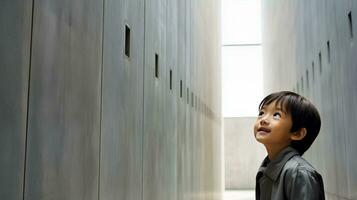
[{"x": 263, "y": 130}]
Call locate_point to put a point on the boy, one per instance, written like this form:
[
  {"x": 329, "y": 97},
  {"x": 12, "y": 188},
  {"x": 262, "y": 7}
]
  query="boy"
[{"x": 287, "y": 125}]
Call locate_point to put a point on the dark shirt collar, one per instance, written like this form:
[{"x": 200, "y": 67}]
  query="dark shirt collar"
[{"x": 273, "y": 168}]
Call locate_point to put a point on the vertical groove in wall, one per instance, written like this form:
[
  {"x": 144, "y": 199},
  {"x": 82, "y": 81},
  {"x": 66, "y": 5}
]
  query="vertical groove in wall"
[
  {"x": 101, "y": 100},
  {"x": 28, "y": 100},
  {"x": 143, "y": 114}
]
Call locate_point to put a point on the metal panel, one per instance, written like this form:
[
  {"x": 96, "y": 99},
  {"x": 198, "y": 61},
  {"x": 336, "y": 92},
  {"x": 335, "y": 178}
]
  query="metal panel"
[
  {"x": 155, "y": 173},
  {"x": 182, "y": 103},
  {"x": 121, "y": 154},
  {"x": 64, "y": 105},
  {"x": 188, "y": 140},
  {"x": 350, "y": 119},
  {"x": 15, "y": 34},
  {"x": 171, "y": 98}
]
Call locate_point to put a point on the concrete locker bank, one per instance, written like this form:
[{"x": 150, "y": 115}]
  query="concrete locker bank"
[
  {"x": 110, "y": 99},
  {"x": 310, "y": 47}
]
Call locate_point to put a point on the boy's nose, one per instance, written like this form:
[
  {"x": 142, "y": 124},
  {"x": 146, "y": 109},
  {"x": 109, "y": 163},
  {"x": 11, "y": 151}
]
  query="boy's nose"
[{"x": 264, "y": 121}]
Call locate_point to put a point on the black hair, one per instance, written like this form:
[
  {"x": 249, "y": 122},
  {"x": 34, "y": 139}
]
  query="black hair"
[{"x": 303, "y": 114}]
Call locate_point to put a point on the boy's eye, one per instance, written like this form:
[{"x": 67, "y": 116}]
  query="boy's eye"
[
  {"x": 260, "y": 113},
  {"x": 277, "y": 114}
]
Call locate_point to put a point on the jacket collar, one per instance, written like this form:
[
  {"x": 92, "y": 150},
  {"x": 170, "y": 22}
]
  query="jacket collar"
[{"x": 273, "y": 168}]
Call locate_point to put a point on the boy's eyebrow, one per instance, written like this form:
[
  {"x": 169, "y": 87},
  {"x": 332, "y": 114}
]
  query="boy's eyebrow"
[{"x": 278, "y": 108}]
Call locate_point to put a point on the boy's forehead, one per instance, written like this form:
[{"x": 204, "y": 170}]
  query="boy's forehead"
[{"x": 276, "y": 105}]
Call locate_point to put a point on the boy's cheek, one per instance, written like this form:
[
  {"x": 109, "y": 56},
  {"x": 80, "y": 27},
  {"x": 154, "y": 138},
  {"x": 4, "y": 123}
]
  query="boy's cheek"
[{"x": 255, "y": 128}]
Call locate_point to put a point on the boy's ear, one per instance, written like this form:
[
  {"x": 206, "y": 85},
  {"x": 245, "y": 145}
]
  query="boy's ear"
[{"x": 299, "y": 134}]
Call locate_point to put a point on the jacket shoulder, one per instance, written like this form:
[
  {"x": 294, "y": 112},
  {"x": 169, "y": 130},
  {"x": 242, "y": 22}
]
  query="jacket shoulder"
[
  {"x": 300, "y": 178},
  {"x": 298, "y": 163},
  {"x": 298, "y": 168}
]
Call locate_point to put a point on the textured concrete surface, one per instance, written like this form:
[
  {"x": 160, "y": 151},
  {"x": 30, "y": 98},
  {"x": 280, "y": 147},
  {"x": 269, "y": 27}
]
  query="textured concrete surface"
[
  {"x": 15, "y": 34},
  {"x": 310, "y": 47},
  {"x": 242, "y": 153},
  {"x": 80, "y": 119},
  {"x": 122, "y": 92},
  {"x": 63, "y": 137}
]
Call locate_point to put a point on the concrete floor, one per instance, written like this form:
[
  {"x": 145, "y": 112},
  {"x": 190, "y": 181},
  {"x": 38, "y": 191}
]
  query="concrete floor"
[{"x": 239, "y": 195}]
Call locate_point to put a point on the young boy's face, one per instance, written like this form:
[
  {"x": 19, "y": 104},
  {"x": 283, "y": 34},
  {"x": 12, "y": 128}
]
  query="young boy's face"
[{"x": 273, "y": 125}]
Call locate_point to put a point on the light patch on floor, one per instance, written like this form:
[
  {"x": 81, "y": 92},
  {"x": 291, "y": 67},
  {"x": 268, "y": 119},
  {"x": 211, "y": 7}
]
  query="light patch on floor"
[{"x": 239, "y": 195}]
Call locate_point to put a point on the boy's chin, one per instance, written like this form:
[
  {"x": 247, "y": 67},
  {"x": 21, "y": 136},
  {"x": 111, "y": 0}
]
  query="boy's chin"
[
  {"x": 262, "y": 138},
  {"x": 259, "y": 139}
]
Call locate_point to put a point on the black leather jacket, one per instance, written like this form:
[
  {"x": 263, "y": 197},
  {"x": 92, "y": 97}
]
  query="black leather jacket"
[{"x": 288, "y": 177}]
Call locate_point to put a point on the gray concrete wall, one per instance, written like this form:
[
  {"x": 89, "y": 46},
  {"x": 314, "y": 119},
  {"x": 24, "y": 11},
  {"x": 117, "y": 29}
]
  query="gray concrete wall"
[
  {"x": 310, "y": 47},
  {"x": 242, "y": 153},
  {"x": 79, "y": 119},
  {"x": 15, "y": 33}
]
